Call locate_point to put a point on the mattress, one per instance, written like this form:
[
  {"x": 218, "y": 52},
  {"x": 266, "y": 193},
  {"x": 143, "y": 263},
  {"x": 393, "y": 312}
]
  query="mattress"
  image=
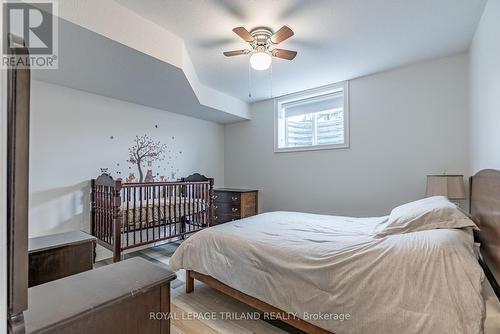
[
  {"x": 331, "y": 271},
  {"x": 148, "y": 212}
]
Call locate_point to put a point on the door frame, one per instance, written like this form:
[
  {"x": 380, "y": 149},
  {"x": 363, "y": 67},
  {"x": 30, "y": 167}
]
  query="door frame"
[
  {"x": 3, "y": 201},
  {"x": 18, "y": 86}
]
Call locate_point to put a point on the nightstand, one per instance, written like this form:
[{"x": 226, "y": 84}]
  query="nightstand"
[{"x": 232, "y": 204}]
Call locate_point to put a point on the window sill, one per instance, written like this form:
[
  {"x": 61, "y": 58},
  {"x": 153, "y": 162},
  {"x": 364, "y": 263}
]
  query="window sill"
[{"x": 311, "y": 148}]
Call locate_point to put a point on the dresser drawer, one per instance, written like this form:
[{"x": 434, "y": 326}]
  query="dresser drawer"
[
  {"x": 227, "y": 208},
  {"x": 224, "y": 218},
  {"x": 227, "y": 197}
]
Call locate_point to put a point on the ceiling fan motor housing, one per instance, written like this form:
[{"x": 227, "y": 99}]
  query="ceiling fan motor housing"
[{"x": 261, "y": 39}]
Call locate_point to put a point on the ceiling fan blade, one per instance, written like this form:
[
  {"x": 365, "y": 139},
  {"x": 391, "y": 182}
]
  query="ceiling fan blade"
[
  {"x": 243, "y": 33},
  {"x": 282, "y": 34},
  {"x": 285, "y": 54},
  {"x": 236, "y": 53}
]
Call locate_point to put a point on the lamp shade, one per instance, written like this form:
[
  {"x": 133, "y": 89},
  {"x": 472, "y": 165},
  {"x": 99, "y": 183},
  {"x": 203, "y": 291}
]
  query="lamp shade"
[{"x": 451, "y": 186}]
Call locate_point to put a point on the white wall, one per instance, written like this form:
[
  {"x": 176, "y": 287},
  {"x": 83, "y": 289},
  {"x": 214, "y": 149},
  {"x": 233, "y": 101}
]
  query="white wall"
[
  {"x": 71, "y": 140},
  {"x": 485, "y": 91},
  {"x": 405, "y": 123}
]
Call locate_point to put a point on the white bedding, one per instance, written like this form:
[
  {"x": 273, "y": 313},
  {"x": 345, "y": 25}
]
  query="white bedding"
[{"x": 420, "y": 282}]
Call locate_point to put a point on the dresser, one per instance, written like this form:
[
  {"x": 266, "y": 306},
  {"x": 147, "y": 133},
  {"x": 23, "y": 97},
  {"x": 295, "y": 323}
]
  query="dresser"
[
  {"x": 59, "y": 255},
  {"x": 232, "y": 204}
]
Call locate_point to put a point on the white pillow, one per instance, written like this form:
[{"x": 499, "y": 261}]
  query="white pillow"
[{"x": 425, "y": 214}]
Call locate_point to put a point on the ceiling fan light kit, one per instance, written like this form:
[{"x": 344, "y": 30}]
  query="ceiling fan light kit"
[
  {"x": 262, "y": 42},
  {"x": 260, "y": 60}
]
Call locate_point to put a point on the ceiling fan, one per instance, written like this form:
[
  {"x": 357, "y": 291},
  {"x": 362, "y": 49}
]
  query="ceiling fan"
[{"x": 262, "y": 41}]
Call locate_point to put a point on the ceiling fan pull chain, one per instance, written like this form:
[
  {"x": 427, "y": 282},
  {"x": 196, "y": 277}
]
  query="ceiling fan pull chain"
[
  {"x": 249, "y": 82},
  {"x": 271, "y": 82}
]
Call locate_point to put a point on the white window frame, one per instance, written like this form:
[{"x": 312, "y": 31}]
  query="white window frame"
[{"x": 299, "y": 98}]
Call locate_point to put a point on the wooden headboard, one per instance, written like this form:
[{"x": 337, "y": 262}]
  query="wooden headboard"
[{"x": 485, "y": 211}]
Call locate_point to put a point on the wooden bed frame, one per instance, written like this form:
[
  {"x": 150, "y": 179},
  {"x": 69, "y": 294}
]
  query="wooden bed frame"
[
  {"x": 485, "y": 211},
  {"x": 281, "y": 315},
  {"x": 130, "y": 215}
]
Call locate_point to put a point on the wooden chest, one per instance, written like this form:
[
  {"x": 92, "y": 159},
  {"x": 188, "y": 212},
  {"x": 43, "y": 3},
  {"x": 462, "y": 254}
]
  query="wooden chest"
[
  {"x": 59, "y": 255},
  {"x": 232, "y": 204},
  {"x": 127, "y": 297}
]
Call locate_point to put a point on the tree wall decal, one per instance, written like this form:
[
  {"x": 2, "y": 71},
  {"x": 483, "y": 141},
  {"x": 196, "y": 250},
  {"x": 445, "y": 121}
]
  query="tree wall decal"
[{"x": 145, "y": 150}]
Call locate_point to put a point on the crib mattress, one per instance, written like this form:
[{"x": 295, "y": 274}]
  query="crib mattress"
[{"x": 148, "y": 212}]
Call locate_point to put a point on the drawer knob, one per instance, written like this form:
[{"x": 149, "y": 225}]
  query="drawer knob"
[
  {"x": 234, "y": 209},
  {"x": 216, "y": 217},
  {"x": 234, "y": 198},
  {"x": 216, "y": 207}
]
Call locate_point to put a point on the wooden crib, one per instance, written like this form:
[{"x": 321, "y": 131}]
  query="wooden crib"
[{"x": 129, "y": 215}]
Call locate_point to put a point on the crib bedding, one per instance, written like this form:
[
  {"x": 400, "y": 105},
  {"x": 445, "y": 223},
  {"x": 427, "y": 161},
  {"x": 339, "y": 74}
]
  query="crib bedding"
[
  {"x": 313, "y": 265},
  {"x": 142, "y": 213}
]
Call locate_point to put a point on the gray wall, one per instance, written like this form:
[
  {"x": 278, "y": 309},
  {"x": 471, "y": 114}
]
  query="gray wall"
[
  {"x": 71, "y": 140},
  {"x": 485, "y": 91},
  {"x": 405, "y": 123}
]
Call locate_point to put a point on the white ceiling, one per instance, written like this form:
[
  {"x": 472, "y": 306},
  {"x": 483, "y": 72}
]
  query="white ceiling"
[
  {"x": 96, "y": 64},
  {"x": 335, "y": 39}
]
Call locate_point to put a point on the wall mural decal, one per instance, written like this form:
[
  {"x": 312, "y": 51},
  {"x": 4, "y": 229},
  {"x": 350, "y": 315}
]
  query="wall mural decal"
[
  {"x": 130, "y": 178},
  {"x": 146, "y": 151},
  {"x": 148, "y": 160}
]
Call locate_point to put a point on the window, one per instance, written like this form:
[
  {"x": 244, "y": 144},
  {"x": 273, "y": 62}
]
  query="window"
[{"x": 312, "y": 120}]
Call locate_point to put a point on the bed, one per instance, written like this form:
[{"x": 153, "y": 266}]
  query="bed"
[
  {"x": 327, "y": 274},
  {"x": 129, "y": 215}
]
